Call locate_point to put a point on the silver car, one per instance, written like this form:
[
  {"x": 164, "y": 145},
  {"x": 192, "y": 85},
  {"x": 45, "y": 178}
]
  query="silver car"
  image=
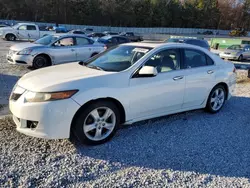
[
  {"x": 236, "y": 52},
  {"x": 54, "y": 49}
]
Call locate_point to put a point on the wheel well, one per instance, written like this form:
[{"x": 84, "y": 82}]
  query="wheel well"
[
  {"x": 225, "y": 87},
  {"x": 9, "y": 34},
  {"x": 116, "y": 102},
  {"x": 46, "y": 56}
]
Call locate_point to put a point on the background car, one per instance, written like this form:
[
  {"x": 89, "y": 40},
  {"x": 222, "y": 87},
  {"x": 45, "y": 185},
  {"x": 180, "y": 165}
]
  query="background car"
[
  {"x": 132, "y": 36},
  {"x": 78, "y": 31},
  {"x": 110, "y": 33},
  {"x": 54, "y": 49},
  {"x": 125, "y": 84},
  {"x": 236, "y": 52},
  {"x": 110, "y": 41},
  {"x": 196, "y": 42},
  {"x": 95, "y": 36}
]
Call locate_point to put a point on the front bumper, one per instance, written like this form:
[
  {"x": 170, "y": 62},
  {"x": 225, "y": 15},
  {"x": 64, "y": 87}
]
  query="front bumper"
[
  {"x": 230, "y": 56},
  {"x": 53, "y": 118},
  {"x": 20, "y": 59}
]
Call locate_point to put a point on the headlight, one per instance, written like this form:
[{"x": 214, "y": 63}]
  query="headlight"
[
  {"x": 25, "y": 52},
  {"x": 43, "y": 97}
]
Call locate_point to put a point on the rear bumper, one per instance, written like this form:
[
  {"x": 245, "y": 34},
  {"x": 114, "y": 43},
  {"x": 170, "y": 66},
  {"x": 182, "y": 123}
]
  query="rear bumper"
[{"x": 225, "y": 56}]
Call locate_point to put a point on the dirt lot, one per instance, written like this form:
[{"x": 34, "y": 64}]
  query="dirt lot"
[{"x": 192, "y": 149}]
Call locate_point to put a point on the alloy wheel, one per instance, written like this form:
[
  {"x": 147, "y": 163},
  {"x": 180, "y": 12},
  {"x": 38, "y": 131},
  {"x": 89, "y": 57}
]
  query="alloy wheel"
[
  {"x": 99, "y": 123},
  {"x": 217, "y": 99}
]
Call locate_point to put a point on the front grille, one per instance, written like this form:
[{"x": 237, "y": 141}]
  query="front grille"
[
  {"x": 227, "y": 53},
  {"x": 15, "y": 96}
]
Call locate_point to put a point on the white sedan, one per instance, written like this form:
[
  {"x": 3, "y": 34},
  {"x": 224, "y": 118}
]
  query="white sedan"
[{"x": 123, "y": 85}]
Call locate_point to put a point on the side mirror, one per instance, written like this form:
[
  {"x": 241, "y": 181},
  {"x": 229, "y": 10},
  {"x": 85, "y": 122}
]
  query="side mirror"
[{"x": 148, "y": 71}]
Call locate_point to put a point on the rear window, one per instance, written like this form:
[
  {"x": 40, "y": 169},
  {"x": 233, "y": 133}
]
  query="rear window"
[{"x": 198, "y": 43}]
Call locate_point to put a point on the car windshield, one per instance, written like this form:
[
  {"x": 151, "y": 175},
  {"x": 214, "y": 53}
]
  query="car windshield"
[
  {"x": 46, "y": 40},
  {"x": 235, "y": 47},
  {"x": 118, "y": 58}
]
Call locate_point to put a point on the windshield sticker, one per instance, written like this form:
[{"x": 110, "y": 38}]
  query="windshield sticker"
[{"x": 142, "y": 50}]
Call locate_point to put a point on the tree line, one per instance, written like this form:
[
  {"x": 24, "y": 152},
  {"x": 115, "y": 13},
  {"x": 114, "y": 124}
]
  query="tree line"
[{"x": 213, "y": 14}]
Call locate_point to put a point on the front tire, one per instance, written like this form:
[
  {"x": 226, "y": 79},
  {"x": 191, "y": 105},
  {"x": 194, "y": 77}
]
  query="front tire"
[
  {"x": 10, "y": 37},
  {"x": 97, "y": 123},
  {"x": 40, "y": 62},
  {"x": 216, "y": 99}
]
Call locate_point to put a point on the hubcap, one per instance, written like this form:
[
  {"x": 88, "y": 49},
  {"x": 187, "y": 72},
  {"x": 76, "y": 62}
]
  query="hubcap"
[
  {"x": 40, "y": 62},
  {"x": 217, "y": 99},
  {"x": 99, "y": 123}
]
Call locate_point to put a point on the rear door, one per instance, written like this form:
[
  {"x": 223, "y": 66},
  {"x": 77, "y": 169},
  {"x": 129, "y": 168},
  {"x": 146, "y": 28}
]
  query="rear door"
[
  {"x": 200, "y": 73},
  {"x": 64, "y": 51},
  {"x": 84, "y": 48}
]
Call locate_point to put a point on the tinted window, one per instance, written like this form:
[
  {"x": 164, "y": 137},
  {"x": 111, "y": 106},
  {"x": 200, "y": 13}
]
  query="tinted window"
[
  {"x": 78, "y": 32},
  {"x": 198, "y": 43},
  {"x": 194, "y": 58},
  {"x": 209, "y": 61},
  {"x": 82, "y": 41},
  {"x": 114, "y": 40},
  {"x": 165, "y": 61},
  {"x": 31, "y": 27},
  {"x": 122, "y": 40},
  {"x": 23, "y": 27}
]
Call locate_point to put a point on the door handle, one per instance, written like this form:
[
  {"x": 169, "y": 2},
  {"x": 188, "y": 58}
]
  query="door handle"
[
  {"x": 210, "y": 72},
  {"x": 178, "y": 78}
]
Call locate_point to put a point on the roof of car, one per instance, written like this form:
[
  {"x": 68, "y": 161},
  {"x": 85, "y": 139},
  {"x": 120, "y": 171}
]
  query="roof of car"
[{"x": 161, "y": 44}]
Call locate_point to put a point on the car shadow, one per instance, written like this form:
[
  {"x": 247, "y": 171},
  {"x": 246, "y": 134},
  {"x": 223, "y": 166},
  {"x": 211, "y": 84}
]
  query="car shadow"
[
  {"x": 7, "y": 83},
  {"x": 216, "y": 144}
]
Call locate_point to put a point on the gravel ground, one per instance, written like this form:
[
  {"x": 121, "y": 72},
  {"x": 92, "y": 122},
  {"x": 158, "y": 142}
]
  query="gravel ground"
[{"x": 191, "y": 149}]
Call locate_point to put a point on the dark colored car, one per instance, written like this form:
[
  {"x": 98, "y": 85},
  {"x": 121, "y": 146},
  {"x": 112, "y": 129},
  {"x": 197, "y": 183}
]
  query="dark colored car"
[
  {"x": 80, "y": 32},
  {"x": 110, "y": 41},
  {"x": 95, "y": 35},
  {"x": 132, "y": 36},
  {"x": 110, "y": 33},
  {"x": 196, "y": 42}
]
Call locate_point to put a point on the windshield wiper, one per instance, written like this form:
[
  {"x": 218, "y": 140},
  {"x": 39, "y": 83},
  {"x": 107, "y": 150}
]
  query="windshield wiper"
[{"x": 95, "y": 67}]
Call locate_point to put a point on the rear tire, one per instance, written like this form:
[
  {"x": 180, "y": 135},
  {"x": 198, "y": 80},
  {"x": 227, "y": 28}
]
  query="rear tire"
[
  {"x": 40, "y": 61},
  {"x": 96, "y": 123},
  {"x": 10, "y": 37},
  {"x": 216, "y": 99}
]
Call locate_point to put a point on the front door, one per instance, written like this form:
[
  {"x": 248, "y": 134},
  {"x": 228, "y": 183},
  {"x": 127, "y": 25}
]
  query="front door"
[
  {"x": 200, "y": 77},
  {"x": 64, "y": 51},
  {"x": 160, "y": 94},
  {"x": 22, "y": 32}
]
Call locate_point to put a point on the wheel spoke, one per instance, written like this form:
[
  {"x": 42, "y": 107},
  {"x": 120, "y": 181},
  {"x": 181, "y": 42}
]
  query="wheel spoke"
[
  {"x": 216, "y": 92},
  {"x": 90, "y": 127},
  {"x": 107, "y": 114},
  {"x": 95, "y": 114},
  {"x": 98, "y": 134},
  {"x": 213, "y": 99},
  {"x": 109, "y": 126},
  {"x": 215, "y": 105}
]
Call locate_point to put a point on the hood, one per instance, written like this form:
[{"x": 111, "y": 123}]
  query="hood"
[
  {"x": 58, "y": 78},
  {"x": 21, "y": 46},
  {"x": 7, "y": 28},
  {"x": 232, "y": 51}
]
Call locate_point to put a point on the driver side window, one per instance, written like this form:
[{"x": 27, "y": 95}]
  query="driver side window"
[
  {"x": 22, "y": 27},
  {"x": 65, "y": 42},
  {"x": 165, "y": 61}
]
